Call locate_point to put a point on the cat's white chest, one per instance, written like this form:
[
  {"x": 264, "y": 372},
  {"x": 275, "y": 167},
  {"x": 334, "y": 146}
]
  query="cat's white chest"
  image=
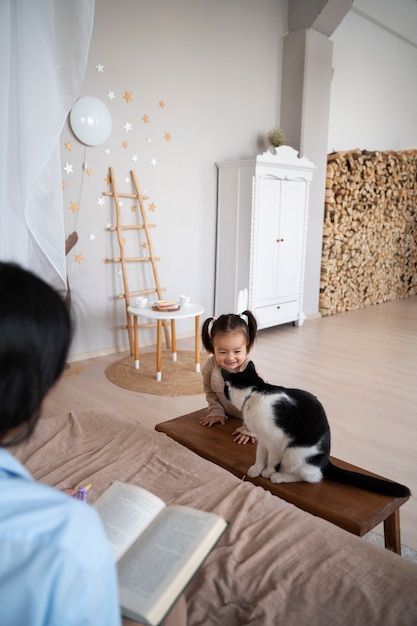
[{"x": 258, "y": 414}]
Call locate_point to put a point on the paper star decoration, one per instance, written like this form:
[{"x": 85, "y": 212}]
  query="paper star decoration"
[
  {"x": 149, "y": 140},
  {"x": 108, "y": 225},
  {"x": 161, "y": 104},
  {"x": 91, "y": 237},
  {"x": 152, "y": 206},
  {"x": 111, "y": 95},
  {"x": 125, "y": 145},
  {"x": 118, "y": 272},
  {"x": 74, "y": 207},
  {"x": 63, "y": 184},
  {"x": 134, "y": 158},
  {"x": 144, "y": 245},
  {"x": 108, "y": 179},
  {"x": 107, "y": 151},
  {"x": 133, "y": 208},
  {"x": 106, "y": 261},
  {"x": 100, "y": 68},
  {"x": 127, "y": 126},
  {"x": 128, "y": 96},
  {"x": 69, "y": 168},
  {"x": 154, "y": 162},
  {"x": 88, "y": 171},
  {"x": 78, "y": 258},
  {"x": 101, "y": 201},
  {"x": 146, "y": 119},
  {"x": 167, "y": 137},
  {"x": 127, "y": 180},
  {"x": 68, "y": 145}
]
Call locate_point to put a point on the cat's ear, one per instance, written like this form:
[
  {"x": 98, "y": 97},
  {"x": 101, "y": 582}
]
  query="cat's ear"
[{"x": 250, "y": 368}]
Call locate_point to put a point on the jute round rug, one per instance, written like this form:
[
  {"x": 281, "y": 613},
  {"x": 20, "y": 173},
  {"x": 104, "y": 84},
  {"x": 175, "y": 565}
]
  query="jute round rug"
[{"x": 179, "y": 377}]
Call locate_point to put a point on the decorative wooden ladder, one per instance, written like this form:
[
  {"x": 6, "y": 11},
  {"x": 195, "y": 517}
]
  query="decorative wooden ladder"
[{"x": 124, "y": 260}]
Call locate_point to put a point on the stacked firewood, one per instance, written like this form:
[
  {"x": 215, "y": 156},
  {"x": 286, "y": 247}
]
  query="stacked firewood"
[{"x": 370, "y": 229}]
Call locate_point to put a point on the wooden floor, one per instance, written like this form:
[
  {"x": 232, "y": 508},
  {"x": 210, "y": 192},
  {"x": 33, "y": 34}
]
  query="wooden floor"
[{"x": 362, "y": 365}]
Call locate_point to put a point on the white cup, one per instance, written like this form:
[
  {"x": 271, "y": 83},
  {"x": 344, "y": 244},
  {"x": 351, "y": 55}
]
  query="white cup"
[
  {"x": 141, "y": 301},
  {"x": 184, "y": 299}
]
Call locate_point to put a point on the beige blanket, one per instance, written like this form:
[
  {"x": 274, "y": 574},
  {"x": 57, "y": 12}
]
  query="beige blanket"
[{"x": 276, "y": 565}]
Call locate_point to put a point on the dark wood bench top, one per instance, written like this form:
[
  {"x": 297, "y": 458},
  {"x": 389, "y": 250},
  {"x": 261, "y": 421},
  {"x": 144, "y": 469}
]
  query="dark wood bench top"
[{"x": 353, "y": 509}]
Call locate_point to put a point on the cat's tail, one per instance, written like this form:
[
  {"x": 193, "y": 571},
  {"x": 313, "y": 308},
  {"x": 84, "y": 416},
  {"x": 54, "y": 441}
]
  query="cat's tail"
[{"x": 363, "y": 481}]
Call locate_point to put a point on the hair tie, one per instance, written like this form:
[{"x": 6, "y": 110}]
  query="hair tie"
[
  {"x": 210, "y": 326},
  {"x": 244, "y": 318}
]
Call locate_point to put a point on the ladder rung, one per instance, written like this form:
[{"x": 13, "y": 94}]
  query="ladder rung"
[
  {"x": 125, "y": 195},
  {"x": 134, "y": 293},
  {"x": 131, "y": 227},
  {"x": 138, "y": 258}
]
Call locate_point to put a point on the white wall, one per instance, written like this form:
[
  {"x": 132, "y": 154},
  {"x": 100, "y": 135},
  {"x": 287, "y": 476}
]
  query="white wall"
[
  {"x": 217, "y": 67},
  {"x": 374, "y": 88}
]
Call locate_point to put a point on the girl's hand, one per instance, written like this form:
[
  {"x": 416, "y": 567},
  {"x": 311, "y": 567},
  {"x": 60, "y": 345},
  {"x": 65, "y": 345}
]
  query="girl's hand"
[
  {"x": 242, "y": 435},
  {"x": 215, "y": 419}
]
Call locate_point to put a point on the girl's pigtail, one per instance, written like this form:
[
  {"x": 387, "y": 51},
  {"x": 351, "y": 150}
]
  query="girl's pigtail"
[
  {"x": 252, "y": 328},
  {"x": 206, "y": 335}
]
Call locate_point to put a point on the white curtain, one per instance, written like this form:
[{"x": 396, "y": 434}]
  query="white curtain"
[{"x": 43, "y": 56}]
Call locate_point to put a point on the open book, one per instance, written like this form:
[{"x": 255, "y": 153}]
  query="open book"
[{"x": 158, "y": 548}]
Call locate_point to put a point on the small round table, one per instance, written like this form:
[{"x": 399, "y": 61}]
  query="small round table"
[{"x": 185, "y": 310}]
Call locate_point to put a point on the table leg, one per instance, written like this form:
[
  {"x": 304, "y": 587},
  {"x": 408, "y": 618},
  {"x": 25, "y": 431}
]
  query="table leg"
[
  {"x": 173, "y": 340},
  {"x": 392, "y": 532},
  {"x": 159, "y": 350},
  {"x": 197, "y": 343},
  {"x": 136, "y": 340}
]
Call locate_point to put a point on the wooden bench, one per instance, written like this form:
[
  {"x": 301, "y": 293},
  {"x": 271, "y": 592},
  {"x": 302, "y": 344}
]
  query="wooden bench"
[{"x": 355, "y": 510}]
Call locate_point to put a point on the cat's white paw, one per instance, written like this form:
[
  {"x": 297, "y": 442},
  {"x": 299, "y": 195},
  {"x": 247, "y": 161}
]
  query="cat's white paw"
[
  {"x": 277, "y": 477},
  {"x": 267, "y": 472},
  {"x": 254, "y": 471}
]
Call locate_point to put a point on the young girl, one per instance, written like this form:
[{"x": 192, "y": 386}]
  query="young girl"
[{"x": 229, "y": 339}]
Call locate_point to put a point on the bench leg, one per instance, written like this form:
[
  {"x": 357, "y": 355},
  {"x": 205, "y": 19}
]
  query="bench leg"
[{"x": 392, "y": 532}]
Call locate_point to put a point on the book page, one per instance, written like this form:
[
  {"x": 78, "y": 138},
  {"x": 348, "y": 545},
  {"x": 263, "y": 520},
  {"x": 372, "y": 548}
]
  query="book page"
[
  {"x": 160, "y": 564},
  {"x": 126, "y": 510}
]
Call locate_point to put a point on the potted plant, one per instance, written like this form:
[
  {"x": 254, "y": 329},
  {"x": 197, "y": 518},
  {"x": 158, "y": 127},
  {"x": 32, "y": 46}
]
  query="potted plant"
[{"x": 276, "y": 137}]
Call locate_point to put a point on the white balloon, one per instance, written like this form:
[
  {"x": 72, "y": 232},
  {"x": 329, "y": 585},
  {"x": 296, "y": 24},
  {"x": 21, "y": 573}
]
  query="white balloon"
[{"x": 90, "y": 121}]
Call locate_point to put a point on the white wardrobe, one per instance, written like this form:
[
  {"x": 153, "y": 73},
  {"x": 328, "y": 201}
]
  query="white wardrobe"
[{"x": 262, "y": 215}]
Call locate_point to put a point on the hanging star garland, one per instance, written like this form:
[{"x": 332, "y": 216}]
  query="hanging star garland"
[
  {"x": 167, "y": 137},
  {"x": 128, "y": 97},
  {"x": 78, "y": 258},
  {"x": 146, "y": 119},
  {"x": 74, "y": 207},
  {"x": 100, "y": 68},
  {"x": 69, "y": 168},
  {"x": 111, "y": 96},
  {"x": 68, "y": 145},
  {"x": 127, "y": 126}
]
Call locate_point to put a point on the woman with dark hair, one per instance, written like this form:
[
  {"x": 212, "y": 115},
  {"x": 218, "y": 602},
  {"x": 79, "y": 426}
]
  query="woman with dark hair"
[{"x": 56, "y": 566}]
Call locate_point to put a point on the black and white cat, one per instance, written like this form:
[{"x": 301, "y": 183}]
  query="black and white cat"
[{"x": 293, "y": 434}]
